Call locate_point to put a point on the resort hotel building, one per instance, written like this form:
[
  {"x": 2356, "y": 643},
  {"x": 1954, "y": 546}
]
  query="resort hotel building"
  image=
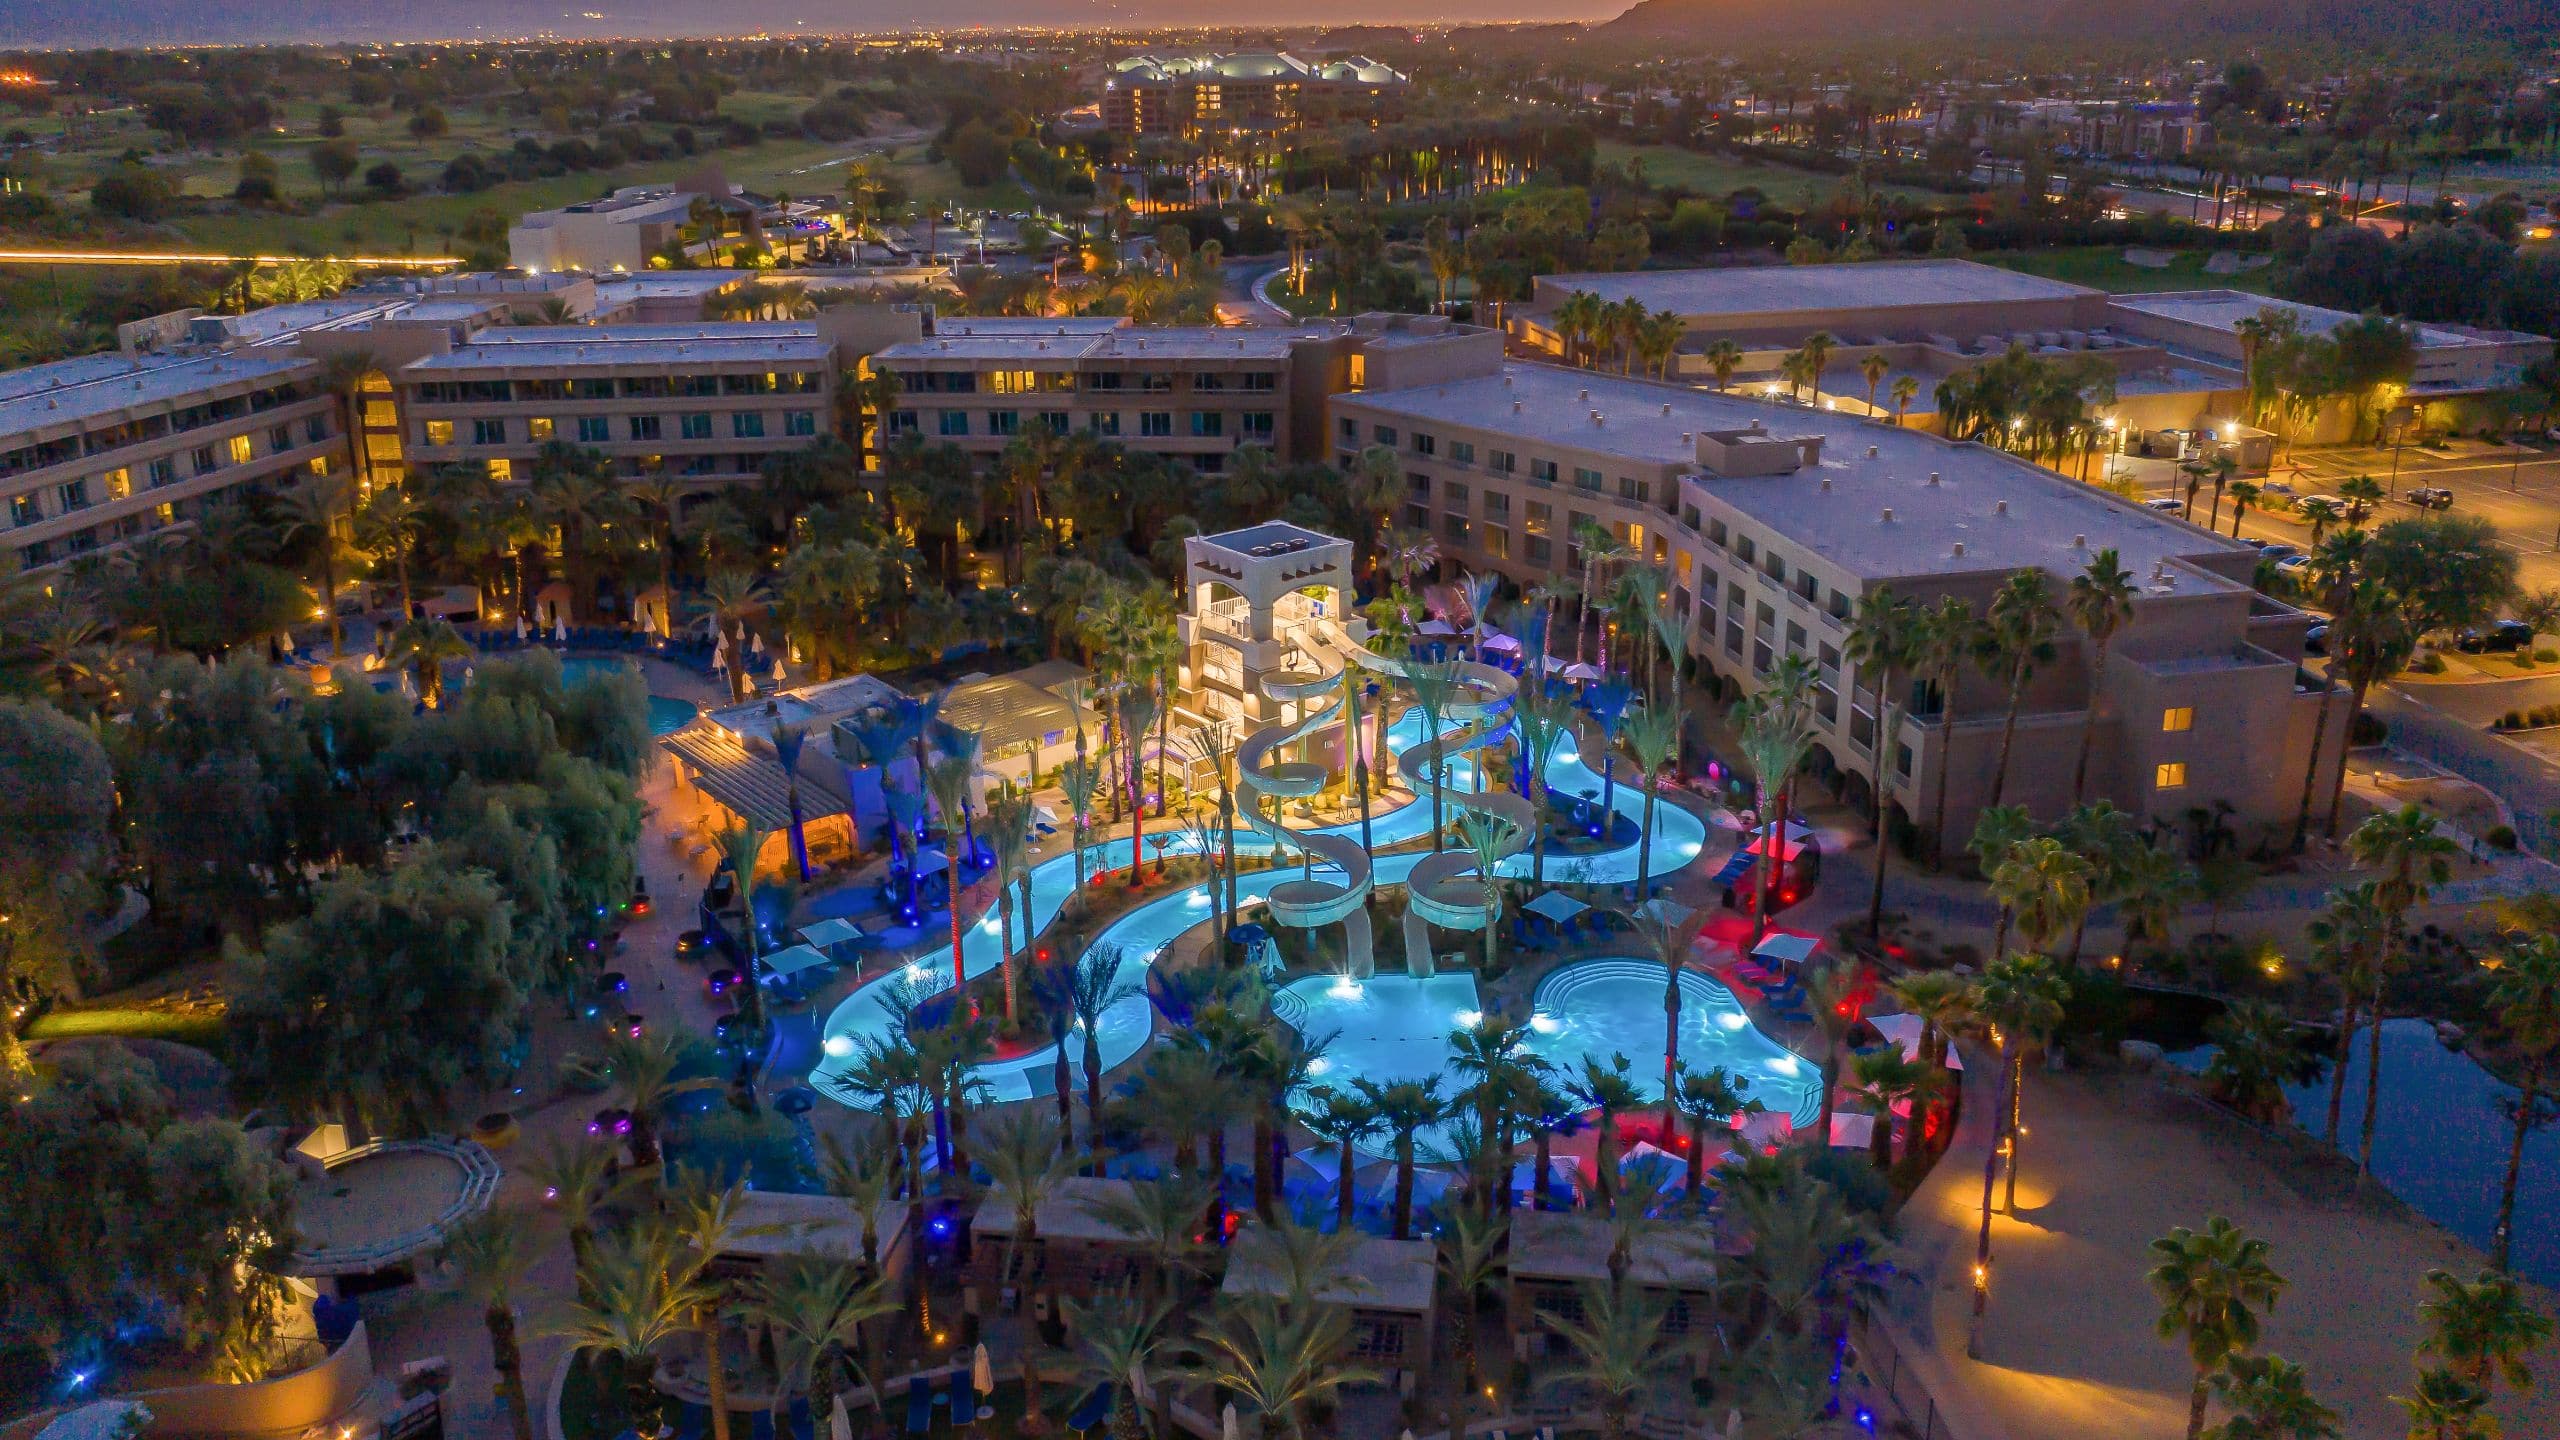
[
  {"x": 2176, "y": 357},
  {"x": 1773, "y": 524},
  {"x": 1185, "y": 96}
]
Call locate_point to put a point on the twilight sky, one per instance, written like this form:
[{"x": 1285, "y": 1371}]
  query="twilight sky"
[{"x": 73, "y": 23}]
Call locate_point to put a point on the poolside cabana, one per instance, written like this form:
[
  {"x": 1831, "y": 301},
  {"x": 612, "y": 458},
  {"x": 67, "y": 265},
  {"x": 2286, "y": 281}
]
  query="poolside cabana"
[
  {"x": 773, "y": 1224},
  {"x": 1904, "y": 1030},
  {"x": 741, "y": 778},
  {"x": 1555, "y": 1253},
  {"x": 1023, "y": 729},
  {"x": 1389, "y": 1286},
  {"x": 1077, "y": 1254}
]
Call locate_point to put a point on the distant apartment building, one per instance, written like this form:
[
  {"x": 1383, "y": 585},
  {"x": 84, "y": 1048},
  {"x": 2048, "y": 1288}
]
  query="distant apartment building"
[
  {"x": 103, "y": 450},
  {"x": 1192, "y": 393},
  {"x": 623, "y": 232},
  {"x": 1186, "y": 96},
  {"x": 1773, "y": 524}
]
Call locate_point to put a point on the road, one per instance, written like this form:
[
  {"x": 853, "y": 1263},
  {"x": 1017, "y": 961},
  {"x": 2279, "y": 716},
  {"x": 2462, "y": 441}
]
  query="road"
[{"x": 2515, "y": 487}]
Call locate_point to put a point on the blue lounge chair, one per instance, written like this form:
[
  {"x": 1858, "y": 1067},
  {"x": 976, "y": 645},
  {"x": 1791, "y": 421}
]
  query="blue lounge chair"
[
  {"x": 920, "y": 1399},
  {"x": 964, "y": 1401},
  {"x": 1095, "y": 1409}
]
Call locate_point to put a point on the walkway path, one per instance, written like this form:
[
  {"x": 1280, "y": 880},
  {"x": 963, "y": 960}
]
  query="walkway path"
[{"x": 2112, "y": 1162}]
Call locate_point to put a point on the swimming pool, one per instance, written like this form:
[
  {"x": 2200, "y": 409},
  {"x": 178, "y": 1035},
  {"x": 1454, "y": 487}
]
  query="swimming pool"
[
  {"x": 1393, "y": 1027},
  {"x": 1134, "y": 939}
]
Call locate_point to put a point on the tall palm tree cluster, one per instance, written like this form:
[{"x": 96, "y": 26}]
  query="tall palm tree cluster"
[
  {"x": 1622, "y": 333},
  {"x": 2044, "y": 407}
]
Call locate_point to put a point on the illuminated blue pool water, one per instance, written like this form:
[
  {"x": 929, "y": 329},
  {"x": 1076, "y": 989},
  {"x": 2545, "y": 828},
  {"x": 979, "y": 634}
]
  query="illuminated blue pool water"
[
  {"x": 1394, "y": 1027},
  {"x": 1137, "y": 936}
]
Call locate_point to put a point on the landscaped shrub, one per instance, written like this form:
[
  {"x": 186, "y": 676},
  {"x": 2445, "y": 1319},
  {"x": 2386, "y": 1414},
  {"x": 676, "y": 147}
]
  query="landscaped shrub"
[
  {"x": 2533, "y": 719},
  {"x": 2428, "y": 664},
  {"x": 2501, "y": 837},
  {"x": 2369, "y": 730}
]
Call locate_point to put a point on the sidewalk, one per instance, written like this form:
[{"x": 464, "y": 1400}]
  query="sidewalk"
[{"x": 2113, "y": 1161}]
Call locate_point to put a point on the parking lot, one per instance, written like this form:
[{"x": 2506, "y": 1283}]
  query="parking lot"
[{"x": 2516, "y": 488}]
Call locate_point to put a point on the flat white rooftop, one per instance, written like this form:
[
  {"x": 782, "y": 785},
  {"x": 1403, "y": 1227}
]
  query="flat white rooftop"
[
  {"x": 1053, "y": 342},
  {"x": 2224, "y": 310},
  {"x": 1658, "y": 424},
  {"x": 1789, "y": 289},
  {"x": 511, "y": 346},
  {"x": 95, "y": 386},
  {"x": 1272, "y": 537}
]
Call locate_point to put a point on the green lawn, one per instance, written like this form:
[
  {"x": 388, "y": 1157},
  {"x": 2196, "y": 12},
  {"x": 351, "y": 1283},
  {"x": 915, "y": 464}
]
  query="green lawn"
[
  {"x": 1718, "y": 175},
  {"x": 198, "y": 1029},
  {"x": 2104, "y": 267}
]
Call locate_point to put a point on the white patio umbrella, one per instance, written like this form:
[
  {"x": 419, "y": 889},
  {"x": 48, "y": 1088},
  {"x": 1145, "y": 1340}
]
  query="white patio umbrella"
[
  {"x": 755, "y": 643},
  {"x": 839, "y": 1424},
  {"x": 1227, "y": 1423},
  {"x": 649, "y": 622},
  {"x": 520, "y": 630},
  {"x": 777, "y": 670},
  {"x": 982, "y": 1372},
  {"x": 1580, "y": 671},
  {"x": 559, "y": 626}
]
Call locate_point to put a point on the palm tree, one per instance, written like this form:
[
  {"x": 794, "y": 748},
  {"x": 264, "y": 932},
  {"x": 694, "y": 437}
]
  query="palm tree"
[
  {"x": 1618, "y": 1348},
  {"x": 1121, "y": 1338},
  {"x": 579, "y": 1181},
  {"x": 1542, "y": 721},
  {"x": 702, "y": 1219},
  {"x": 1874, "y": 366},
  {"x": 2253, "y": 1056},
  {"x": 2019, "y": 996},
  {"x": 2482, "y": 1329},
  {"x": 642, "y": 1069},
  {"x": 1906, "y": 388},
  {"x": 1669, "y": 942},
  {"x": 2346, "y": 944},
  {"x": 1885, "y": 1079},
  {"x": 1650, "y": 734},
  {"x": 639, "y": 1292},
  {"x": 573, "y": 494},
  {"x": 1021, "y": 1154},
  {"x": 1816, "y": 350},
  {"x": 1138, "y": 708},
  {"x": 1488, "y": 838},
  {"x": 820, "y": 1314},
  {"x": 1883, "y": 644},
  {"x": 424, "y": 648},
  {"x": 1835, "y": 994},
  {"x": 2042, "y": 887},
  {"x": 2411, "y": 859},
  {"x": 1709, "y": 1100},
  {"x": 1775, "y": 730},
  {"x": 1943, "y": 1001},
  {"x": 1279, "y": 1360},
  {"x": 950, "y": 779},
  {"x": 1723, "y": 357},
  {"x": 1009, "y": 820},
  {"x": 1949, "y": 638},
  {"x": 386, "y": 528},
  {"x": 2270, "y": 1399},
  {"x": 2020, "y": 638},
  {"x": 1404, "y": 1107},
  {"x": 2526, "y": 999},
  {"x": 1610, "y": 1090},
  {"x": 1342, "y": 1119},
  {"x": 1471, "y": 1255},
  {"x": 2211, "y": 1284},
  {"x": 1160, "y": 1219},
  {"x": 2100, "y": 600},
  {"x": 1087, "y": 985},
  {"x": 2444, "y": 1406},
  {"x": 864, "y": 1176},
  {"x": 488, "y": 1254},
  {"x": 2370, "y": 640},
  {"x": 315, "y": 508}
]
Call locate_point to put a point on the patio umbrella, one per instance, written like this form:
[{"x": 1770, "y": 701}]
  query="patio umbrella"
[
  {"x": 1581, "y": 671},
  {"x": 1227, "y": 1423},
  {"x": 1500, "y": 642},
  {"x": 982, "y": 1372},
  {"x": 755, "y": 643},
  {"x": 1435, "y": 627},
  {"x": 559, "y": 626},
  {"x": 777, "y": 670},
  {"x": 649, "y": 623},
  {"x": 520, "y": 630},
  {"x": 839, "y": 1424}
]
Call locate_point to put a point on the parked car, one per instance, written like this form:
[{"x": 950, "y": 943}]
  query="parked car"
[
  {"x": 2278, "y": 550},
  {"x": 2296, "y": 565},
  {"x": 2498, "y": 639},
  {"x": 2339, "y": 501},
  {"x": 2429, "y": 497},
  {"x": 2316, "y": 639},
  {"x": 2166, "y": 504}
]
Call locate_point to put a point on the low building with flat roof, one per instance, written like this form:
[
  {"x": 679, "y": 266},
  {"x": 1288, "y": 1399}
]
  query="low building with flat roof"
[
  {"x": 2451, "y": 359},
  {"x": 1390, "y": 1287},
  {"x": 1558, "y": 1255},
  {"x": 1773, "y": 524},
  {"x": 1077, "y": 1253}
]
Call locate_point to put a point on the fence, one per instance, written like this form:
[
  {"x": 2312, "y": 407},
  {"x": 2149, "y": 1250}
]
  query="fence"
[{"x": 1914, "y": 1411}]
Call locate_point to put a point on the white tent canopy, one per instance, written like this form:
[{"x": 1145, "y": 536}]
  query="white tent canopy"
[
  {"x": 1786, "y": 949},
  {"x": 793, "y": 960},
  {"x": 827, "y": 934},
  {"x": 1904, "y": 1030},
  {"x": 1556, "y": 905}
]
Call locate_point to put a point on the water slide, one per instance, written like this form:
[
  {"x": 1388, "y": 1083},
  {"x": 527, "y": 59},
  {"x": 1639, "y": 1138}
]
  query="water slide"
[
  {"x": 1313, "y": 898},
  {"x": 1447, "y": 888}
]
